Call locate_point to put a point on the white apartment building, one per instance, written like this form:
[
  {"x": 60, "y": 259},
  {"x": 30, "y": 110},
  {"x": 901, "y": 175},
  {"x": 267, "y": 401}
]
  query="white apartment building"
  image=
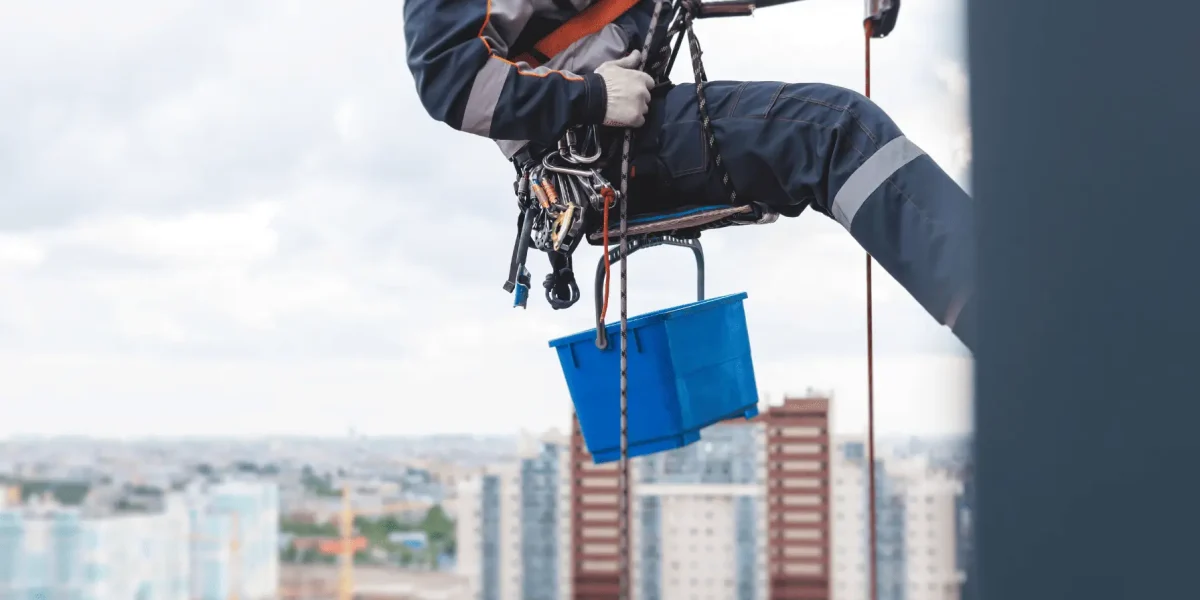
[
  {"x": 698, "y": 554},
  {"x": 699, "y": 523},
  {"x": 203, "y": 544},
  {"x": 930, "y": 536},
  {"x": 51, "y": 551},
  {"x": 235, "y": 541},
  {"x": 917, "y": 536},
  {"x": 848, "y": 525},
  {"x": 513, "y": 525}
]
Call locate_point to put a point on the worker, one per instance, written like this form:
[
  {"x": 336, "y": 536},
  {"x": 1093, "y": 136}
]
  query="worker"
[{"x": 785, "y": 146}]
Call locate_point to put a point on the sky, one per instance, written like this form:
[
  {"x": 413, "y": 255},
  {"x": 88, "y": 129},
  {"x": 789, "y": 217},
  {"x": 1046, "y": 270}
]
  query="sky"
[{"x": 234, "y": 217}]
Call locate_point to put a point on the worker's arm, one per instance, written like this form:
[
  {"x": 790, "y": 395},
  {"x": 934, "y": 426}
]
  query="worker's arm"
[{"x": 456, "y": 55}]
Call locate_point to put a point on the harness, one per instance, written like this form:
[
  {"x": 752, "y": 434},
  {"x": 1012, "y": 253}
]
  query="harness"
[
  {"x": 563, "y": 198},
  {"x": 562, "y": 195},
  {"x": 584, "y": 23}
]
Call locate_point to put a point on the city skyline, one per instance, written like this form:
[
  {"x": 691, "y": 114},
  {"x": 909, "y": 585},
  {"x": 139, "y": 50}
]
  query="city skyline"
[{"x": 758, "y": 510}]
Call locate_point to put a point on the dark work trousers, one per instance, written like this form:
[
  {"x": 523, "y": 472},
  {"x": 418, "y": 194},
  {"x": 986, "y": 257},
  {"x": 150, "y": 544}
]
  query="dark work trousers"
[{"x": 830, "y": 149}]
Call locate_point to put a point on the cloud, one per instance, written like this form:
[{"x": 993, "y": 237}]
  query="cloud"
[{"x": 236, "y": 216}]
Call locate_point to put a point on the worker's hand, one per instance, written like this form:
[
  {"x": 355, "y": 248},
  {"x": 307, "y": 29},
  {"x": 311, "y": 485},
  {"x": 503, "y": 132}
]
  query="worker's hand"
[{"x": 628, "y": 91}]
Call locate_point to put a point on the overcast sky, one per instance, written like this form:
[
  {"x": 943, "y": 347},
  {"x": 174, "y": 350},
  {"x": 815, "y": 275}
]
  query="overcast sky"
[{"x": 233, "y": 216}]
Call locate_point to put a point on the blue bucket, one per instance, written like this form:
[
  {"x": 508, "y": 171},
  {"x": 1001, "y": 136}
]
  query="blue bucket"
[{"x": 689, "y": 367}]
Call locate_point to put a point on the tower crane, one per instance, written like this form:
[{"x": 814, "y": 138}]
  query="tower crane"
[{"x": 346, "y": 537}]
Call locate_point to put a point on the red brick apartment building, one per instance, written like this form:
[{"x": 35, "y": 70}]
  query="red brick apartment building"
[{"x": 793, "y": 457}]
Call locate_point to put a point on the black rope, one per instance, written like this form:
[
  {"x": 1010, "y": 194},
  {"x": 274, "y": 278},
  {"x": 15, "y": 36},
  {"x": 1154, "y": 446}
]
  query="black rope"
[
  {"x": 623, "y": 541},
  {"x": 684, "y": 13}
]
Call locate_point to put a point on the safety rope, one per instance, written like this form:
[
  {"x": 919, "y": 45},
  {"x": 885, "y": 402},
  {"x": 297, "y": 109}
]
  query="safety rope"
[
  {"x": 684, "y": 13},
  {"x": 623, "y": 577},
  {"x": 867, "y": 26}
]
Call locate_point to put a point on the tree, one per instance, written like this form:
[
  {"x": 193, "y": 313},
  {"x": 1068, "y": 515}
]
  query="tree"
[
  {"x": 305, "y": 529},
  {"x": 437, "y": 525}
]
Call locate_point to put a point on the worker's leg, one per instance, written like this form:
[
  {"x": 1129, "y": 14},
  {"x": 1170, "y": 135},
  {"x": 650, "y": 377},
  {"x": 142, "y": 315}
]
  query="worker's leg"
[{"x": 795, "y": 145}]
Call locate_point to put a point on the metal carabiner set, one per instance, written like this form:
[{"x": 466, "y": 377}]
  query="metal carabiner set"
[{"x": 557, "y": 197}]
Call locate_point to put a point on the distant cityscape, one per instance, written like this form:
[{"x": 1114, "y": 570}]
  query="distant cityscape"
[{"x": 774, "y": 507}]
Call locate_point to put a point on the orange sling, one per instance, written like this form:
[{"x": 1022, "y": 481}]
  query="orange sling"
[{"x": 588, "y": 21}]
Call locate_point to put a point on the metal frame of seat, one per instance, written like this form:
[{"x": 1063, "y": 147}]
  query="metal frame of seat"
[
  {"x": 633, "y": 245},
  {"x": 681, "y": 228}
]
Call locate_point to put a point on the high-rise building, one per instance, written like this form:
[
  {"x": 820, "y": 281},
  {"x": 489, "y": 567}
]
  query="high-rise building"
[
  {"x": 699, "y": 526},
  {"x": 848, "y": 524},
  {"x": 798, "y": 457},
  {"x": 235, "y": 544},
  {"x": 593, "y": 519},
  {"x": 765, "y": 509},
  {"x": 741, "y": 514},
  {"x": 931, "y": 502},
  {"x": 512, "y": 525},
  {"x": 477, "y": 534},
  {"x": 918, "y": 517},
  {"x": 70, "y": 552}
]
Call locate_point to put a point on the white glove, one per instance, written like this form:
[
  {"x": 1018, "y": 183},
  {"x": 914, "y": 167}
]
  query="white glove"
[{"x": 628, "y": 91}]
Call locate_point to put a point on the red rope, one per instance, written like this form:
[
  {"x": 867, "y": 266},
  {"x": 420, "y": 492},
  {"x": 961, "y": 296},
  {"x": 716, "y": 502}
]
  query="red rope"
[
  {"x": 870, "y": 373},
  {"x": 609, "y": 200}
]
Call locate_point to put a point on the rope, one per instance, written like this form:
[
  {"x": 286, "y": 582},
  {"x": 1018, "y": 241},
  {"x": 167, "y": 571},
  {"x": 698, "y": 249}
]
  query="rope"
[
  {"x": 870, "y": 372},
  {"x": 683, "y": 12},
  {"x": 608, "y": 204},
  {"x": 686, "y": 11},
  {"x": 623, "y": 577}
]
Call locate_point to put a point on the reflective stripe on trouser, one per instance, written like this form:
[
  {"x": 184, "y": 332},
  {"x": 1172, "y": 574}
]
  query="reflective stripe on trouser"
[{"x": 792, "y": 146}]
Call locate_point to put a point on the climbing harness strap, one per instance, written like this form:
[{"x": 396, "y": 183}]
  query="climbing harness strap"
[
  {"x": 572, "y": 194},
  {"x": 586, "y": 22},
  {"x": 687, "y": 11}
]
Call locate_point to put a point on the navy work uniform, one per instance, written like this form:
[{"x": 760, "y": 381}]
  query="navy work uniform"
[{"x": 786, "y": 145}]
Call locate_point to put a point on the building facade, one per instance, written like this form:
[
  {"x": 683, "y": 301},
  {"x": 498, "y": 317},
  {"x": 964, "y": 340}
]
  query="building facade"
[
  {"x": 918, "y": 527},
  {"x": 741, "y": 514},
  {"x": 798, "y": 493},
  {"x": 512, "y": 525},
  {"x": 55, "y": 552},
  {"x": 188, "y": 549},
  {"x": 235, "y": 541},
  {"x": 699, "y": 526},
  {"x": 848, "y": 527}
]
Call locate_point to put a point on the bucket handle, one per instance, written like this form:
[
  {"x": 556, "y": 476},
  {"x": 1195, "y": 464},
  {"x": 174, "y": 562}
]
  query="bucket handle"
[{"x": 635, "y": 244}]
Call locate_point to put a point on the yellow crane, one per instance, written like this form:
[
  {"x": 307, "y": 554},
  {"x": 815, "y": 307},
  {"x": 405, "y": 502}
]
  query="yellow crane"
[
  {"x": 346, "y": 532},
  {"x": 346, "y": 529}
]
